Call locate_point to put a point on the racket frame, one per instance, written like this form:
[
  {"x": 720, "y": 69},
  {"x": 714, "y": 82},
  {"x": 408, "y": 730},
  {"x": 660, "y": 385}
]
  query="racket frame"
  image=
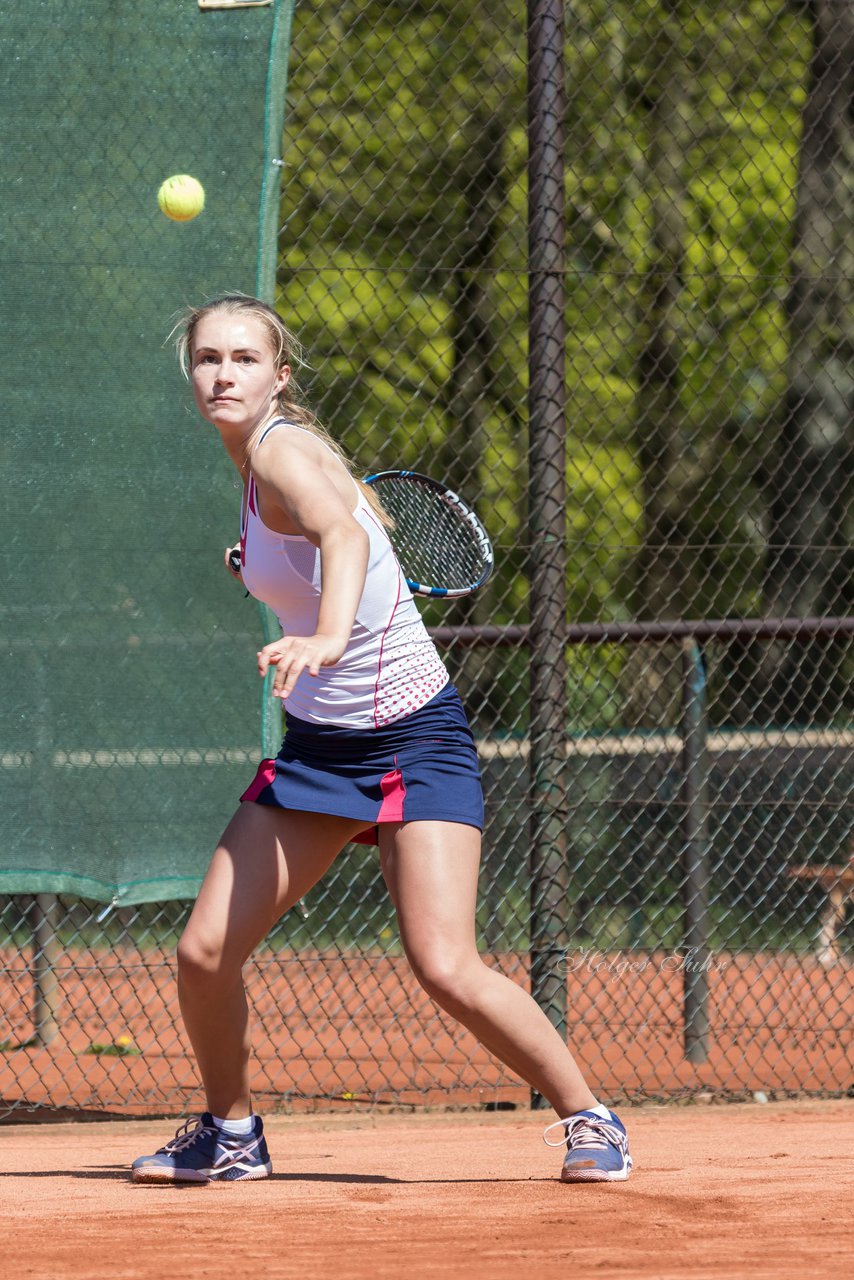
[{"x": 467, "y": 516}]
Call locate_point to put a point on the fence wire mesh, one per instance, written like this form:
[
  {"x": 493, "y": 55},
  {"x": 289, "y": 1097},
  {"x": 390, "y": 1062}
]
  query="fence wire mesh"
[{"x": 705, "y": 772}]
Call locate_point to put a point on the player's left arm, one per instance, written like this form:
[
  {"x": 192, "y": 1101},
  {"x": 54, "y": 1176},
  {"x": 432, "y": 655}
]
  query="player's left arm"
[{"x": 307, "y": 496}]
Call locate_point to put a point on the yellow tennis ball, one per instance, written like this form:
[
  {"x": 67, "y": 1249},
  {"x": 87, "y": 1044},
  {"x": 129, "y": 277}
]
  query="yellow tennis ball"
[{"x": 181, "y": 197}]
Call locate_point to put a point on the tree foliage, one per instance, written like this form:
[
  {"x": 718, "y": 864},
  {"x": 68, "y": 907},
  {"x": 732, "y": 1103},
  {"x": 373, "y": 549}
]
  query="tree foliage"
[{"x": 404, "y": 265}]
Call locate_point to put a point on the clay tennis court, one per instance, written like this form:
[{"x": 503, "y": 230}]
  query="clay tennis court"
[
  {"x": 724, "y": 1191},
  {"x": 331, "y": 1027},
  {"x": 720, "y": 1189}
]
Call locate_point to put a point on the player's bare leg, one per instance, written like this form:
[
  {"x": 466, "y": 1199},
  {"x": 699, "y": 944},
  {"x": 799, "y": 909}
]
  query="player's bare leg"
[
  {"x": 431, "y": 869},
  {"x": 267, "y": 860}
]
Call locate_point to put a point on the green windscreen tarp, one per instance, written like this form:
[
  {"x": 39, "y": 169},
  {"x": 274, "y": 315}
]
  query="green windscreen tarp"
[{"x": 130, "y": 705}]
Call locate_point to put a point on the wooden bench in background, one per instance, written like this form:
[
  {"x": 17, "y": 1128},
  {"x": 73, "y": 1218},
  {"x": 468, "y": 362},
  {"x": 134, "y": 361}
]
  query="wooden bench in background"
[{"x": 838, "y": 884}]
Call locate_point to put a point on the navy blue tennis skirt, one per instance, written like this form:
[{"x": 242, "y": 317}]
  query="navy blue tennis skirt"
[{"x": 423, "y": 766}]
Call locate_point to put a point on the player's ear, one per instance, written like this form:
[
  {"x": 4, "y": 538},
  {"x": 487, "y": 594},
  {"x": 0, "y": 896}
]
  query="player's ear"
[{"x": 283, "y": 377}]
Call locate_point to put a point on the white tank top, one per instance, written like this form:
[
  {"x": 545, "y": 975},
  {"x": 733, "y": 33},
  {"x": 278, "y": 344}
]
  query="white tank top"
[{"x": 390, "y": 667}]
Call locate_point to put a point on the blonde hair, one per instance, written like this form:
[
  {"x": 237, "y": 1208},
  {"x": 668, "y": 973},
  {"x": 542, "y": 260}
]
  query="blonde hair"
[{"x": 286, "y": 350}]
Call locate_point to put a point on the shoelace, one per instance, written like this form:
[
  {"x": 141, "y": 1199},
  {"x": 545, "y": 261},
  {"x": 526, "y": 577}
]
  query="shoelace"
[
  {"x": 585, "y": 1133},
  {"x": 186, "y": 1136}
]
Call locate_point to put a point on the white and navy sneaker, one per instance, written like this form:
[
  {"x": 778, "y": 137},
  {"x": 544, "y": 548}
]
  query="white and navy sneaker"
[
  {"x": 202, "y": 1152},
  {"x": 597, "y": 1150}
]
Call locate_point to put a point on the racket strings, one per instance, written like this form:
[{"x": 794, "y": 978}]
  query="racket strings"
[{"x": 433, "y": 540}]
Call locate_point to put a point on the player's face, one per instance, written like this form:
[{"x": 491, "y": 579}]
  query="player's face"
[{"x": 233, "y": 370}]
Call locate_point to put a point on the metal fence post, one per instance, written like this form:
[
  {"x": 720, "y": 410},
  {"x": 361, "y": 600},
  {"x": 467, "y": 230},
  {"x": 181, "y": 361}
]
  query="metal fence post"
[
  {"x": 695, "y": 867},
  {"x": 46, "y": 952},
  {"x": 547, "y": 506}
]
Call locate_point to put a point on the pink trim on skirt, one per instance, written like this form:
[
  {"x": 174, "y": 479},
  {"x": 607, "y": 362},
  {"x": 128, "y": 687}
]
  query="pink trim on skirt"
[
  {"x": 394, "y": 794},
  {"x": 265, "y": 775}
]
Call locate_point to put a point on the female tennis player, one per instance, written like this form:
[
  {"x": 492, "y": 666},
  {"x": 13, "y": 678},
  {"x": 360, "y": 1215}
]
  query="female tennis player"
[{"x": 377, "y": 748}]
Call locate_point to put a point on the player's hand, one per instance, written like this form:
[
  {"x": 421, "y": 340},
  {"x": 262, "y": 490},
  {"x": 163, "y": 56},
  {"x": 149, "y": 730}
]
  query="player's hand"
[
  {"x": 232, "y": 558},
  {"x": 291, "y": 655}
]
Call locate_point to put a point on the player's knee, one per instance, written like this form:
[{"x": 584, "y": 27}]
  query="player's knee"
[
  {"x": 199, "y": 961},
  {"x": 449, "y": 980}
]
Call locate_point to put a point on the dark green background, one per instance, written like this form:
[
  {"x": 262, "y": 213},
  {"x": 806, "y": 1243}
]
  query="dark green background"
[{"x": 120, "y": 629}]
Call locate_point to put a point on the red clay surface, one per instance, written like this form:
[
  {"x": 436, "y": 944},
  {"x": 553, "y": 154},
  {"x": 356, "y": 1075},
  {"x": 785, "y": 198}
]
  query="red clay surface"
[
  {"x": 331, "y": 1026},
  {"x": 720, "y": 1191}
]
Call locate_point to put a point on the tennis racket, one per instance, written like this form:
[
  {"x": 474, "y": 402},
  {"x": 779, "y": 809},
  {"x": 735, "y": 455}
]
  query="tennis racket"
[{"x": 441, "y": 545}]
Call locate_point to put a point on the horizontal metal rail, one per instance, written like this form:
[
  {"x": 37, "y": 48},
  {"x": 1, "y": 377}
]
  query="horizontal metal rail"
[{"x": 518, "y": 635}]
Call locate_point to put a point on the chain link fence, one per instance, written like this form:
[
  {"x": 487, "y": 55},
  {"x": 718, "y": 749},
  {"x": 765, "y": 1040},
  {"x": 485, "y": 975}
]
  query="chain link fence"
[{"x": 668, "y": 855}]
